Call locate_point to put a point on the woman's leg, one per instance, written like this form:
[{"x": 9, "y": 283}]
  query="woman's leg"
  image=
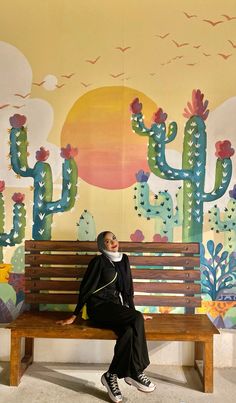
[{"x": 130, "y": 353}]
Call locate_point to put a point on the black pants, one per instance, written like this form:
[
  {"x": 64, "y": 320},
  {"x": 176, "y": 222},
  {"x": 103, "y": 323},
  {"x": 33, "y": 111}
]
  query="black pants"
[{"x": 130, "y": 353}]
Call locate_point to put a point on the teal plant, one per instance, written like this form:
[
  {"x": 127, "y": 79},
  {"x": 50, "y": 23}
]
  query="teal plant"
[
  {"x": 43, "y": 206},
  {"x": 192, "y": 172},
  {"x": 162, "y": 211},
  {"x": 17, "y": 232},
  {"x": 86, "y": 227},
  {"x": 226, "y": 222},
  {"x": 218, "y": 271}
]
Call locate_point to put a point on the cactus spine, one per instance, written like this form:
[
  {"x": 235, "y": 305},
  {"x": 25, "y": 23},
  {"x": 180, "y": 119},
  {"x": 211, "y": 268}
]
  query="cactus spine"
[
  {"x": 193, "y": 160},
  {"x": 43, "y": 207}
]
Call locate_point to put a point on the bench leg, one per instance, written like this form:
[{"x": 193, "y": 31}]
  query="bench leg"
[
  {"x": 15, "y": 360},
  {"x": 208, "y": 366},
  {"x": 29, "y": 354}
]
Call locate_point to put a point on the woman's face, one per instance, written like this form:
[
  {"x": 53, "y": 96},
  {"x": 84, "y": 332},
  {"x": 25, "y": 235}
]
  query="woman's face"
[{"x": 111, "y": 243}]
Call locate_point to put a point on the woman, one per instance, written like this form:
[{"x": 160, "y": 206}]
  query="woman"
[{"x": 107, "y": 291}]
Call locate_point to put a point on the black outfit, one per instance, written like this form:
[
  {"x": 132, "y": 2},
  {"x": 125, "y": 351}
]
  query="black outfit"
[{"x": 113, "y": 307}]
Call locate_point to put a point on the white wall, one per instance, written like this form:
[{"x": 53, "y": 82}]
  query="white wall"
[{"x": 90, "y": 351}]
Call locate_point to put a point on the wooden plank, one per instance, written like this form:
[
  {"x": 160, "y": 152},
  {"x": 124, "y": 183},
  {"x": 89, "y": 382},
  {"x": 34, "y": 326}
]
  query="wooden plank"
[
  {"x": 158, "y": 247},
  {"x": 60, "y": 259},
  {"x": 152, "y": 274},
  {"x": 139, "y": 300},
  {"x": 154, "y": 287}
]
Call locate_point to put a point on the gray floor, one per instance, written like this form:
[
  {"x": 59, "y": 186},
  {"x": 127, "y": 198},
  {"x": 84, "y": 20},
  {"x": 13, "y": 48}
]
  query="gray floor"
[{"x": 70, "y": 383}]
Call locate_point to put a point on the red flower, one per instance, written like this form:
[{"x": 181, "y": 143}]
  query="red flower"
[
  {"x": 136, "y": 106},
  {"x": 18, "y": 197},
  {"x": 2, "y": 186},
  {"x": 68, "y": 152},
  {"x": 42, "y": 154},
  {"x": 17, "y": 121},
  {"x": 159, "y": 116},
  {"x": 224, "y": 149},
  {"x": 197, "y": 107},
  {"x": 159, "y": 238},
  {"x": 137, "y": 236}
]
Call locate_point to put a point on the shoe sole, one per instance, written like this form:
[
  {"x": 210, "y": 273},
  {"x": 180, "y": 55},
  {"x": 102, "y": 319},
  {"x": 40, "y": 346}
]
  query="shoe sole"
[
  {"x": 141, "y": 388},
  {"x": 104, "y": 382}
]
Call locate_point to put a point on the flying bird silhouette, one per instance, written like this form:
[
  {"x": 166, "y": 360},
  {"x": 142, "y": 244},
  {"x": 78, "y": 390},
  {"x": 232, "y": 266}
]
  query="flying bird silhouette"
[
  {"x": 68, "y": 75},
  {"x": 213, "y": 23},
  {"x": 189, "y": 15},
  {"x": 231, "y": 42},
  {"x": 39, "y": 84},
  {"x": 4, "y": 106},
  {"x": 206, "y": 54},
  {"x": 123, "y": 49},
  {"x": 177, "y": 57},
  {"x": 18, "y": 106},
  {"x": 196, "y": 46},
  {"x": 85, "y": 85},
  {"x": 22, "y": 96},
  {"x": 225, "y": 56},
  {"x": 152, "y": 74},
  {"x": 93, "y": 61},
  {"x": 60, "y": 85},
  {"x": 116, "y": 75},
  {"x": 163, "y": 36},
  {"x": 191, "y": 64},
  {"x": 228, "y": 17},
  {"x": 180, "y": 45}
]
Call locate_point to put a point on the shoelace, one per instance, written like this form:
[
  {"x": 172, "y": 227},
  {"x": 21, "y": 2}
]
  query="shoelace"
[
  {"x": 114, "y": 385},
  {"x": 144, "y": 379}
]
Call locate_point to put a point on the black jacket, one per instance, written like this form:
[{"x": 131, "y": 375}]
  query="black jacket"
[{"x": 91, "y": 281}]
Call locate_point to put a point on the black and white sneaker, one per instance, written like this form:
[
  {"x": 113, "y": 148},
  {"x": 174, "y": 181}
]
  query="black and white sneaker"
[
  {"x": 110, "y": 382},
  {"x": 141, "y": 382}
]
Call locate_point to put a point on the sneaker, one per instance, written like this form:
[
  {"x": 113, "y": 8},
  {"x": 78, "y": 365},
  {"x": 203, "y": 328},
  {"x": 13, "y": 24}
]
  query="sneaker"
[
  {"x": 141, "y": 382},
  {"x": 110, "y": 382}
]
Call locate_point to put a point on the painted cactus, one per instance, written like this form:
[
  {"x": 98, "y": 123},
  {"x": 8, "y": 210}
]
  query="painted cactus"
[
  {"x": 17, "y": 233},
  {"x": 218, "y": 271},
  {"x": 43, "y": 207},
  {"x": 227, "y": 223},
  {"x": 162, "y": 210},
  {"x": 86, "y": 227},
  {"x": 192, "y": 172}
]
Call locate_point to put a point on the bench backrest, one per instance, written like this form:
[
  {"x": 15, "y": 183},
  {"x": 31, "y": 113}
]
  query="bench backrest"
[{"x": 164, "y": 274}]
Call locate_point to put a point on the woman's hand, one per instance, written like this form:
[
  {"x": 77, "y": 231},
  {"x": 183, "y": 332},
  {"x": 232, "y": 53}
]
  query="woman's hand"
[
  {"x": 67, "y": 321},
  {"x": 147, "y": 317}
]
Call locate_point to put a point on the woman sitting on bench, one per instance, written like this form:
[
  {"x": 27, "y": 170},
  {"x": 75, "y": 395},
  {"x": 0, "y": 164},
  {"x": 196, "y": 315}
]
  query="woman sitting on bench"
[{"x": 107, "y": 291}]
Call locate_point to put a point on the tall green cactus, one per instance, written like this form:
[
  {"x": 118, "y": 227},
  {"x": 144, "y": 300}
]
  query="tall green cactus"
[
  {"x": 43, "y": 207},
  {"x": 193, "y": 160},
  {"x": 162, "y": 211},
  {"x": 17, "y": 232},
  {"x": 227, "y": 223}
]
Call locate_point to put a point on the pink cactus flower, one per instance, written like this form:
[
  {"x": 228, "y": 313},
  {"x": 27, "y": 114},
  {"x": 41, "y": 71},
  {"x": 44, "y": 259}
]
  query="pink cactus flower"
[
  {"x": 159, "y": 238},
  {"x": 136, "y": 106},
  {"x": 42, "y": 154},
  {"x": 197, "y": 107},
  {"x": 18, "y": 197},
  {"x": 2, "y": 186},
  {"x": 137, "y": 236},
  {"x": 159, "y": 116},
  {"x": 224, "y": 149},
  {"x": 69, "y": 152},
  {"x": 17, "y": 121}
]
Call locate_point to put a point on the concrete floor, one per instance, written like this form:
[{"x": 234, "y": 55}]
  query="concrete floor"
[{"x": 71, "y": 383}]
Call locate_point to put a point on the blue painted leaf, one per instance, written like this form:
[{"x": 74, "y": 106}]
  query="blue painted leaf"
[
  {"x": 218, "y": 248},
  {"x": 210, "y": 247}
]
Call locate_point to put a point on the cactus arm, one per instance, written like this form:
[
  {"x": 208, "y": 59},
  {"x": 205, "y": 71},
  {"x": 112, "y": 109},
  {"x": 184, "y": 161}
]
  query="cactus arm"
[
  {"x": 17, "y": 232},
  {"x": 69, "y": 189},
  {"x": 18, "y": 152},
  {"x": 138, "y": 125},
  {"x": 223, "y": 177}
]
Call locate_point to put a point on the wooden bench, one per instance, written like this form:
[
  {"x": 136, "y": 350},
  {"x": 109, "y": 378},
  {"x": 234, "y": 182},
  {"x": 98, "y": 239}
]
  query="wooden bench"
[{"x": 53, "y": 274}]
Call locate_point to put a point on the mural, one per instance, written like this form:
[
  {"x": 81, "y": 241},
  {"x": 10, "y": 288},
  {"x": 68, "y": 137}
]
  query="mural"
[{"x": 75, "y": 161}]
